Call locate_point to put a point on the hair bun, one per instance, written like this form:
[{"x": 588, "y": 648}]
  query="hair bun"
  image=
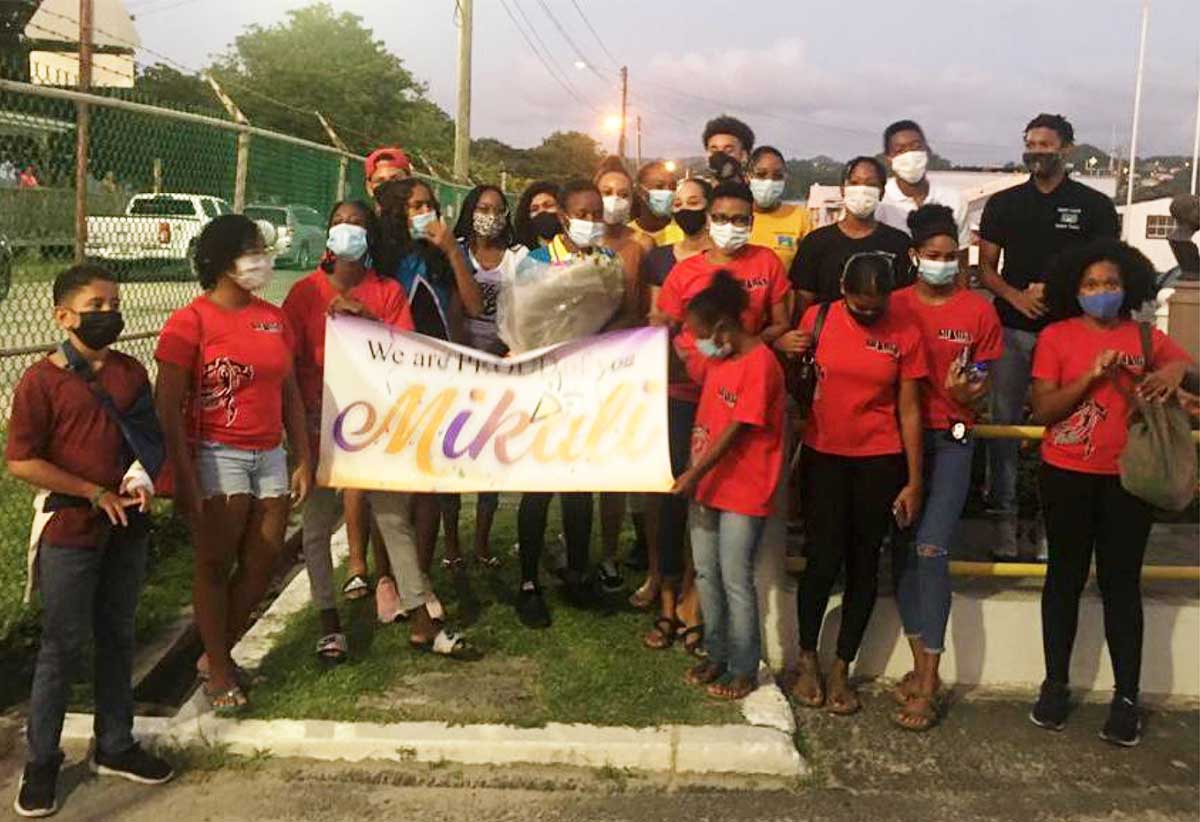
[{"x": 930, "y": 220}]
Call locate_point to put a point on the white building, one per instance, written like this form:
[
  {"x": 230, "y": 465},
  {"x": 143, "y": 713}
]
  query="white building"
[
  {"x": 59, "y": 20},
  {"x": 1145, "y": 226}
]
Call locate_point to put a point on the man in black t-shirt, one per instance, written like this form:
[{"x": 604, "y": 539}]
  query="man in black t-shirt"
[{"x": 1031, "y": 223}]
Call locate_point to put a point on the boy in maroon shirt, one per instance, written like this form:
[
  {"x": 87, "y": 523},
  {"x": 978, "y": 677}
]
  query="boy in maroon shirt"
[{"x": 90, "y": 553}]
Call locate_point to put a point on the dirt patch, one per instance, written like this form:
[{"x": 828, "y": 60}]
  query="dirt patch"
[{"x": 496, "y": 686}]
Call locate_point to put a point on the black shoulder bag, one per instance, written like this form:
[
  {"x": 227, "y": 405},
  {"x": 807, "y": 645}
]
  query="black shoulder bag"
[{"x": 801, "y": 372}]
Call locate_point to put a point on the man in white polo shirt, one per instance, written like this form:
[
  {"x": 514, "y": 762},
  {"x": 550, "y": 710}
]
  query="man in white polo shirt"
[{"x": 908, "y": 188}]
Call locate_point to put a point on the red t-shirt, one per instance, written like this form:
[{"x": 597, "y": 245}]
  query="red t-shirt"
[
  {"x": 1092, "y": 437},
  {"x": 761, "y": 273},
  {"x": 57, "y": 418},
  {"x": 859, "y": 371},
  {"x": 747, "y": 389},
  {"x": 306, "y": 307},
  {"x": 247, "y": 354},
  {"x": 965, "y": 320}
]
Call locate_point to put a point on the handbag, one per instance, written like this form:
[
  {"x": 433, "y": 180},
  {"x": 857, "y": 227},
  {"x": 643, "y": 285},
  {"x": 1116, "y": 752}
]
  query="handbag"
[
  {"x": 800, "y": 373},
  {"x": 1158, "y": 462}
]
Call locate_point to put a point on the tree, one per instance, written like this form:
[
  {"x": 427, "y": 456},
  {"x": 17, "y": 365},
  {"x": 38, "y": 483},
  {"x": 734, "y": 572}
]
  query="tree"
[
  {"x": 163, "y": 85},
  {"x": 564, "y": 155},
  {"x": 320, "y": 60}
]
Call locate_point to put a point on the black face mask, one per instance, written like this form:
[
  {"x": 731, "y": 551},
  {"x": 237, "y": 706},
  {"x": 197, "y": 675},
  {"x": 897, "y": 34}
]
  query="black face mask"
[
  {"x": 724, "y": 166},
  {"x": 864, "y": 318},
  {"x": 691, "y": 220},
  {"x": 99, "y": 329},
  {"x": 1042, "y": 163},
  {"x": 546, "y": 225}
]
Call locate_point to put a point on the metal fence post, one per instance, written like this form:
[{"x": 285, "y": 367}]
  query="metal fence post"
[
  {"x": 243, "y": 145},
  {"x": 82, "y": 129},
  {"x": 343, "y": 163}
]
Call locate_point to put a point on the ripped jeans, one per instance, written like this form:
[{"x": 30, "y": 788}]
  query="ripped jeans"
[{"x": 921, "y": 565}]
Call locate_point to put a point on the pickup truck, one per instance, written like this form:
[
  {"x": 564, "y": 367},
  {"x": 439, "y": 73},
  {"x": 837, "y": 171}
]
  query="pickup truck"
[{"x": 158, "y": 229}]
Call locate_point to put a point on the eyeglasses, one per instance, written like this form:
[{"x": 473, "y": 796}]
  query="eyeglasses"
[{"x": 739, "y": 220}]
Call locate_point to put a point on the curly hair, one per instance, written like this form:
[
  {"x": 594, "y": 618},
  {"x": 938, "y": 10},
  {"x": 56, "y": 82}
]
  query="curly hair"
[
  {"x": 464, "y": 228},
  {"x": 931, "y": 220},
  {"x": 521, "y": 226},
  {"x": 1056, "y": 123},
  {"x": 393, "y": 197},
  {"x": 731, "y": 126},
  {"x": 370, "y": 223},
  {"x": 220, "y": 243},
  {"x": 724, "y": 299},
  {"x": 874, "y": 162},
  {"x": 1067, "y": 269}
]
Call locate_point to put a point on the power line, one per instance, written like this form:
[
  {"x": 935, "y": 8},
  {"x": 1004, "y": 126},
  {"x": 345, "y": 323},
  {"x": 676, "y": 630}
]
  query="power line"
[
  {"x": 599, "y": 39},
  {"x": 578, "y": 52},
  {"x": 545, "y": 49},
  {"x": 167, "y": 7},
  {"x": 571, "y": 92}
]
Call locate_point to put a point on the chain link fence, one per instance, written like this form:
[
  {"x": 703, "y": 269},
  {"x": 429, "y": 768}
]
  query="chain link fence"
[{"x": 156, "y": 176}]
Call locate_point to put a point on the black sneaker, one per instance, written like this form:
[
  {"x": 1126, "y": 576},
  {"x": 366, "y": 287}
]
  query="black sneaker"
[
  {"x": 531, "y": 608},
  {"x": 36, "y": 790},
  {"x": 134, "y": 764},
  {"x": 1050, "y": 710},
  {"x": 1124, "y": 725},
  {"x": 610, "y": 578}
]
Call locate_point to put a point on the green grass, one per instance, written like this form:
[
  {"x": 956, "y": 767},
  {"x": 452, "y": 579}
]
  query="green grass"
[
  {"x": 167, "y": 589},
  {"x": 590, "y": 666}
]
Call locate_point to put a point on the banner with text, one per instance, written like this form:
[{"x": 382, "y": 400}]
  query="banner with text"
[{"x": 405, "y": 412}]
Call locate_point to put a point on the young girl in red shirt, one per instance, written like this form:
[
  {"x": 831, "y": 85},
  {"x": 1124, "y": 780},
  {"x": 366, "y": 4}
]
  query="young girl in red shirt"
[
  {"x": 737, "y": 457},
  {"x": 228, "y": 357},
  {"x": 1085, "y": 368}
]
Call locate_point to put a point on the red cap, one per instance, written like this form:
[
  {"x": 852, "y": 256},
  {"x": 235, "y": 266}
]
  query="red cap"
[{"x": 388, "y": 154}]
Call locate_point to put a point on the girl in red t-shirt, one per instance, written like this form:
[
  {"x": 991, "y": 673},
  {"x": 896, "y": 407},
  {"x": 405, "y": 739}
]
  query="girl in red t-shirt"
[
  {"x": 962, "y": 336},
  {"x": 737, "y": 457},
  {"x": 862, "y": 440},
  {"x": 228, "y": 357},
  {"x": 1084, "y": 369}
]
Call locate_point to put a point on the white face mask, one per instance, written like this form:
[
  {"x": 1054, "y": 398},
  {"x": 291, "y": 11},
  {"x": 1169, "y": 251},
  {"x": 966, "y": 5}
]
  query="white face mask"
[
  {"x": 616, "y": 210},
  {"x": 860, "y": 200},
  {"x": 419, "y": 224},
  {"x": 766, "y": 192},
  {"x": 729, "y": 237},
  {"x": 910, "y": 166},
  {"x": 253, "y": 271},
  {"x": 585, "y": 233},
  {"x": 659, "y": 200},
  {"x": 937, "y": 272}
]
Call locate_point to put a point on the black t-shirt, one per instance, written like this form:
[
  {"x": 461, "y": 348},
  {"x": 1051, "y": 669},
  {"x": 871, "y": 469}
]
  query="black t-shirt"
[
  {"x": 1033, "y": 228},
  {"x": 657, "y": 264},
  {"x": 823, "y": 253}
]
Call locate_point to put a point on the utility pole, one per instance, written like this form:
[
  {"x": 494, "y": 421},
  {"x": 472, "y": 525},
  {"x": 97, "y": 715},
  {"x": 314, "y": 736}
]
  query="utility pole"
[
  {"x": 1137, "y": 114},
  {"x": 462, "y": 122},
  {"x": 637, "y": 139},
  {"x": 82, "y": 128},
  {"x": 624, "y": 98},
  {"x": 1196, "y": 139}
]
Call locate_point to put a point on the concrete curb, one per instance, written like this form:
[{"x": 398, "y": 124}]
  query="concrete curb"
[{"x": 765, "y": 746}]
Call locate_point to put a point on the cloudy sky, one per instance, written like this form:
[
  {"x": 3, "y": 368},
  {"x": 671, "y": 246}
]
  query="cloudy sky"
[{"x": 810, "y": 77}]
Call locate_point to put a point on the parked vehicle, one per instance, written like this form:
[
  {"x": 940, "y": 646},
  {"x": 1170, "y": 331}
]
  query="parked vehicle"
[
  {"x": 156, "y": 229},
  {"x": 299, "y": 233}
]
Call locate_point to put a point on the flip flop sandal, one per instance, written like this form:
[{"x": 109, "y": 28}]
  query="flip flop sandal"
[
  {"x": 333, "y": 648},
  {"x": 245, "y": 679},
  {"x": 357, "y": 587},
  {"x": 733, "y": 690},
  {"x": 667, "y": 628},
  {"x": 844, "y": 708},
  {"x": 491, "y": 563},
  {"x": 454, "y": 563},
  {"x": 230, "y": 701},
  {"x": 642, "y": 598},
  {"x": 927, "y": 717},
  {"x": 696, "y": 646},
  {"x": 387, "y": 601},
  {"x": 446, "y": 643}
]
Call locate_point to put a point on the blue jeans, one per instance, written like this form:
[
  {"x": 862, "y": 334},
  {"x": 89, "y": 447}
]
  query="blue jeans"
[
  {"x": 87, "y": 593},
  {"x": 922, "y": 565},
  {"x": 723, "y": 548},
  {"x": 1010, "y": 386}
]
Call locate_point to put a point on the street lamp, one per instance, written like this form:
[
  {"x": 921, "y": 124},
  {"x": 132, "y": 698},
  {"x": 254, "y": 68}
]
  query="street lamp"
[
  {"x": 612, "y": 123},
  {"x": 670, "y": 166}
]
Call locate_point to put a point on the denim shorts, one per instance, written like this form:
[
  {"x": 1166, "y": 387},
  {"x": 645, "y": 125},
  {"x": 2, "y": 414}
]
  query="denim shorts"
[{"x": 226, "y": 471}]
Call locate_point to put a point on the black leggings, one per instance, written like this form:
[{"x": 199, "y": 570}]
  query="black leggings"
[
  {"x": 531, "y": 531},
  {"x": 673, "y": 509},
  {"x": 847, "y": 512},
  {"x": 1086, "y": 513}
]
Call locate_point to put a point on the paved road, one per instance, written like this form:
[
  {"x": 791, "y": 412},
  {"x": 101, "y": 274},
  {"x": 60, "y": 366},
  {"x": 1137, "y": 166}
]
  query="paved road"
[{"x": 986, "y": 762}]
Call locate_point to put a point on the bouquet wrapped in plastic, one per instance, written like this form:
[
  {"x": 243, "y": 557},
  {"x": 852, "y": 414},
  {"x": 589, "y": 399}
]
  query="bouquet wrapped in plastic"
[{"x": 544, "y": 304}]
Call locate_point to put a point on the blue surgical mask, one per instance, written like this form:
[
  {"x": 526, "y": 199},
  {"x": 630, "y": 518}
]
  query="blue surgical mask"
[
  {"x": 585, "y": 233},
  {"x": 766, "y": 193},
  {"x": 709, "y": 348},
  {"x": 420, "y": 222},
  {"x": 1102, "y": 306},
  {"x": 347, "y": 241},
  {"x": 659, "y": 200},
  {"x": 937, "y": 272}
]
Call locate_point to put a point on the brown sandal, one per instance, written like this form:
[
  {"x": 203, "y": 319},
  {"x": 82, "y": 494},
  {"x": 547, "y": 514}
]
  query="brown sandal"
[
  {"x": 809, "y": 669},
  {"x": 704, "y": 673},
  {"x": 739, "y": 687},
  {"x": 918, "y": 715},
  {"x": 901, "y": 693},
  {"x": 844, "y": 704},
  {"x": 663, "y": 635}
]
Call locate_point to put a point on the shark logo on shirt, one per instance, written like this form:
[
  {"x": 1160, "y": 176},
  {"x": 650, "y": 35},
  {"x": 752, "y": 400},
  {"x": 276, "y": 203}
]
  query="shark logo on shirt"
[
  {"x": 221, "y": 381},
  {"x": 1078, "y": 428}
]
